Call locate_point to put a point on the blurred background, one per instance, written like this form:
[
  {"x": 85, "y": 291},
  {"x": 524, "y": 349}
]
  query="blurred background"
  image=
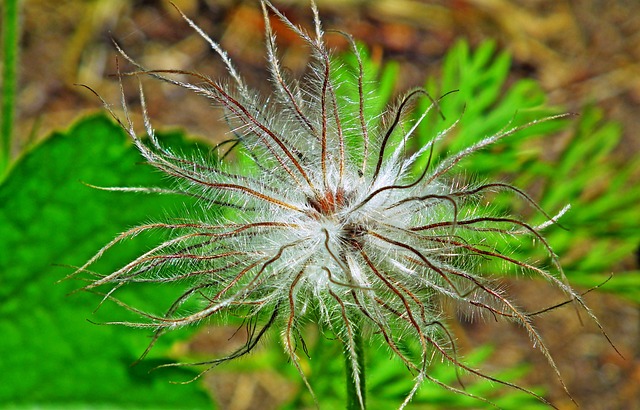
[{"x": 580, "y": 51}]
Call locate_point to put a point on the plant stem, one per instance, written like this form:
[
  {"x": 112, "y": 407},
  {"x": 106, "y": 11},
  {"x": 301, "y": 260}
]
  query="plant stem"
[
  {"x": 10, "y": 57},
  {"x": 353, "y": 402}
]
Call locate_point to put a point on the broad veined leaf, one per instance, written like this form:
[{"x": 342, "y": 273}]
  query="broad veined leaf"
[{"x": 52, "y": 355}]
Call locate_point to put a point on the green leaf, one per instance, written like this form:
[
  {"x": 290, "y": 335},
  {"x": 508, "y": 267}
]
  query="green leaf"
[{"x": 52, "y": 356}]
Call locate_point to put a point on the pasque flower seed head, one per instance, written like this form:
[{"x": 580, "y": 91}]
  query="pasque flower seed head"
[{"x": 327, "y": 214}]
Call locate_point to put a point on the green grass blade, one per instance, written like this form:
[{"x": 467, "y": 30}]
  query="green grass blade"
[{"x": 9, "y": 79}]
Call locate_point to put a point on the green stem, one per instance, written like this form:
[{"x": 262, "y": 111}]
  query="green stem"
[
  {"x": 10, "y": 57},
  {"x": 353, "y": 402}
]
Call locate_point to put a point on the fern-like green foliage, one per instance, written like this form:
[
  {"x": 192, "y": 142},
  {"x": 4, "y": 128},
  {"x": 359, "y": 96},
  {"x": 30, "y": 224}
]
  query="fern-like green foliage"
[{"x": 568, "y": 161}]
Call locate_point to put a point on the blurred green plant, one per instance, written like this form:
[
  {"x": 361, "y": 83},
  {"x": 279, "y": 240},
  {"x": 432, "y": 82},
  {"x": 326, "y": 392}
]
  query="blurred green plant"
[{"x": 10, "y": 34}]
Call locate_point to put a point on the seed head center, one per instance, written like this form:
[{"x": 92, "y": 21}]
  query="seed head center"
[{"x": 328, "y": 205}]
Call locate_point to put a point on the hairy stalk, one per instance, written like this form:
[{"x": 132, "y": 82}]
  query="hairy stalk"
[
  {"x": 356, "y": 390},
  {"x": 9, "y": 78}
]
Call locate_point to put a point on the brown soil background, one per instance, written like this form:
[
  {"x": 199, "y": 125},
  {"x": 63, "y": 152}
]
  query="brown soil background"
[{"x": 581, "y": 51}]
